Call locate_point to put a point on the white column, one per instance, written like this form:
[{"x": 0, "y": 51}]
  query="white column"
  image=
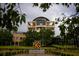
[{"x": 18, "y": 43}]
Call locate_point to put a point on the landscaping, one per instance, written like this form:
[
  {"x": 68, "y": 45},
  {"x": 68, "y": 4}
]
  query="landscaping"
[
  {"x": 57, "y": 35},
  {"x": 57, "y": 50}
]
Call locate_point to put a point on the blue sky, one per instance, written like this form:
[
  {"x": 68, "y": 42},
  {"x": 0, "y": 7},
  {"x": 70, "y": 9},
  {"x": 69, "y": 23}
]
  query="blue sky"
[{"x": 53, "y": 12}]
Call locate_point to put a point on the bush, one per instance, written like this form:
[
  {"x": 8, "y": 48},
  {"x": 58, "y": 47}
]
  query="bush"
[{"x": 1, "y": 54}]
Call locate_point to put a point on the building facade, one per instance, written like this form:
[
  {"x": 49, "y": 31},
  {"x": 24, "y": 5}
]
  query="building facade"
[
  {"x": 36, "y": 25},
  {"x": 18, "y": 38},
  {"x": 41, "y": 23}
]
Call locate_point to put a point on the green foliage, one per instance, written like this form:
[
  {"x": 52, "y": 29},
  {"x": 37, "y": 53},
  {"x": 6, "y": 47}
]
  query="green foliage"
[
  {"x": 45, "y": 35},
  {"x": 62, "y": 28},
  {"x": 10, "y": 17},
  {"x": 46, "y": 6},
  {"x": 43, "y": 6},
  {"x": 5, "y": 37},
  {"x": 71, "y": 31},
  {"x": 30, "y": 37},
  {"x": 35, "y": 4}
]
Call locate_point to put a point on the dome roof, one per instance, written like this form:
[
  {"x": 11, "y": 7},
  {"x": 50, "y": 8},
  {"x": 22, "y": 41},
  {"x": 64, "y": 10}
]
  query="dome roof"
[{"x": 41, "y": 18}]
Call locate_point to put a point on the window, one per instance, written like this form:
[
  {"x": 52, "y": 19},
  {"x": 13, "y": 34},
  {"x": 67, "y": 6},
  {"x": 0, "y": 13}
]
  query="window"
[
  {"x": 20, "y": 38},
  {"x": 41, "y": 20}
]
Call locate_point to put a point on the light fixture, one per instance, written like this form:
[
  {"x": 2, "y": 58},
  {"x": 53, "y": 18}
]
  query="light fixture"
[
  {"x": 31, "y": 23},
  {"x": 50, "y": 23}
]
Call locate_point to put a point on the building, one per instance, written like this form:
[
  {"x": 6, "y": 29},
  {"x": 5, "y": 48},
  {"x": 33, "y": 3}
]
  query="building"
[
  {"x": 18, "y": 38},
  {"x": 36, "y": 25},
  {"x": 41, "y": 23}
]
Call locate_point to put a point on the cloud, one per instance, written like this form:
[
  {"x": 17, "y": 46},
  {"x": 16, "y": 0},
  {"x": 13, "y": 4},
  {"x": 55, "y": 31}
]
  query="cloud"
[{"x": 52, "y": 13}]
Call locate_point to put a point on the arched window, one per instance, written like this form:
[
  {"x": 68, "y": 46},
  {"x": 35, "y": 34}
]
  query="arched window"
[{"x": 40, "y": 20}]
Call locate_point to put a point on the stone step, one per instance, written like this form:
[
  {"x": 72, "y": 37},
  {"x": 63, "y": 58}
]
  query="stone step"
[{"x": 36, "y": 51}]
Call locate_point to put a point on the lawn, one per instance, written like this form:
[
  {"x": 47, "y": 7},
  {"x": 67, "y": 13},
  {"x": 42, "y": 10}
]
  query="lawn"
[
  {"x": 55, "y": 50},
  {"x": 65, "y": 46},
  {"x": 64, "y": 50},
  {"x": 15, "y": 47}
]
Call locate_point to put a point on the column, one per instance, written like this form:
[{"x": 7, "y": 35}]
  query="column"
[{"x": 18, "y": 43}]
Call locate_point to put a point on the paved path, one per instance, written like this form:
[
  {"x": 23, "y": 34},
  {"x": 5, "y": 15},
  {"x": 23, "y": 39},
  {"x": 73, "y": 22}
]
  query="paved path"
[{"x": 35, "y": 53}]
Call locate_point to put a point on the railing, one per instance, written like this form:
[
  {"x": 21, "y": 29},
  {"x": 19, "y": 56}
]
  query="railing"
[{"x": 39, "y": 26}]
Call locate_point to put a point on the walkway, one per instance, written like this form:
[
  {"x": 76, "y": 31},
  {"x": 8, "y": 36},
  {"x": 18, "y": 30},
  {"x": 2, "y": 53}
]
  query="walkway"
[{"x": 35, "y": 53}]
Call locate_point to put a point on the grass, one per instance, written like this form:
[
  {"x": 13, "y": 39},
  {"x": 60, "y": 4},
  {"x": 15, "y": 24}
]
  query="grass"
[
  {"x": 31, "y": 47},
  {"x": 15, "y": 47},
  {"x": 55, "y": 50},
  {"x": 64, "y": 50},
  {"x": 64, "y": 46},
  {"x": 23, "y": 47}
]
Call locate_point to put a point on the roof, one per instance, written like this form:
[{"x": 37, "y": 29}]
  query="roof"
[{"x": 41, "y": 17}]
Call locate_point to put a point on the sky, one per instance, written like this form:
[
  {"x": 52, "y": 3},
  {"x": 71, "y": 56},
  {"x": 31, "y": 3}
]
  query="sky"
[{"x": 53, "y": 12}]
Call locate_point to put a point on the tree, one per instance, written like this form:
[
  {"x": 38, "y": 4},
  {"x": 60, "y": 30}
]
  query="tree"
[
  {"x": 10, "y": 17},
  {"x": 31, "y": 36},
  {"x": 70, "y": 25},
  {"x": 46, "y": 36},
  {"x": 5, "y": 37},
  {"x": 71, "y": 28},
  {"x": 46, "y": 6}
]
